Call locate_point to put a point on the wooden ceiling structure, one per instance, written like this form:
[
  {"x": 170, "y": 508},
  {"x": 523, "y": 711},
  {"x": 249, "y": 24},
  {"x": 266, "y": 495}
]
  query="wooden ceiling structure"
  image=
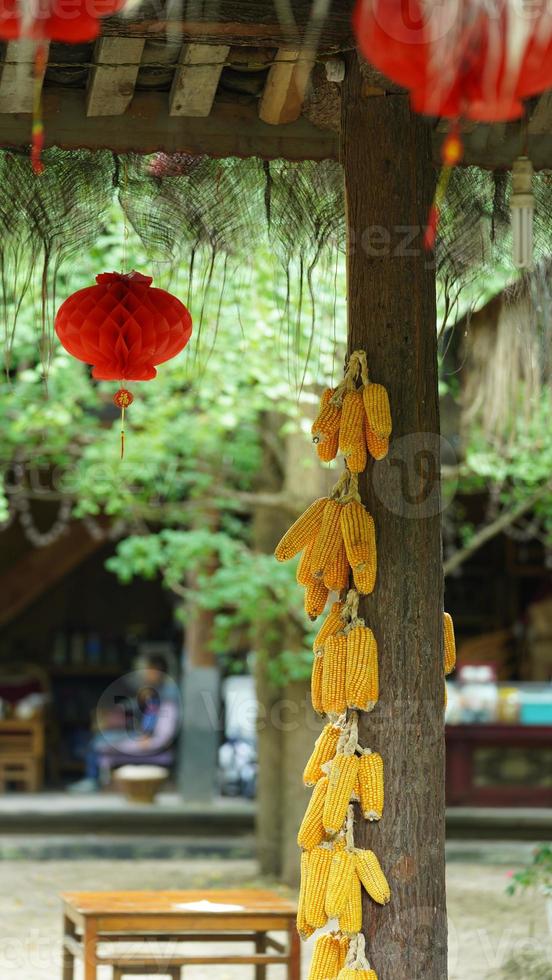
[{"x": 243, "y": 84}]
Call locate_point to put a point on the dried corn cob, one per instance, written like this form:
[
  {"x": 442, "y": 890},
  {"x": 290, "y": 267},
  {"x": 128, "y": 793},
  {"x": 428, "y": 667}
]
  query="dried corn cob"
[
  {"x": 343, "y": 776},
  {"x": 449, "y": 643},
  {"x": 316, "y": 683},
  {"x": 326, "y": 958},
  {"x": 328, "y": 540},
  {"x": 358, "y": 458},
  {"x": 316, "y": 597},
  {"x": 351, "y": 429},
  {"x": 359, "y": 535},
  {"x": 340, "y": 881},
  {"x": 303, "y": 928},
  {"x": 334, "y": 674},
  {"x": 350, "y": 973},
  {"x": 378, "y": 411},
  {"x": 328, "y": 420},
  {"x": 332, "y": 624},
  {"x": 336, "y": 576},
  {"x": 350, "y": 920},
  {"x": 302, "y": 531},
  {"x": 362, "y": 679},
  {"x": 372, "y": 877},
  {"x": 303, "y": 574},
  {"x": 327, "y": 450},
  {"x": 343, "y": 950},
  {"x": 324, "y": 750},
  {"x": 378, "y": 448},
  {"x": 317, "y": 883},
  {"x": 370, "y": 778},
  {"x": 311, "y": 831},
  {"x": 365, "y": 581}
]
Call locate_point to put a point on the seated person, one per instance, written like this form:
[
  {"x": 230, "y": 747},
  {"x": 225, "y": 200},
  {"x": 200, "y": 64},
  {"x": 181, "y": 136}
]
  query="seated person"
[{"x": 151, "y": 722}]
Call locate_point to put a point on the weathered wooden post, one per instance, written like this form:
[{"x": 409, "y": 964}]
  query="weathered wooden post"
[{"x": 389, "y": 177}]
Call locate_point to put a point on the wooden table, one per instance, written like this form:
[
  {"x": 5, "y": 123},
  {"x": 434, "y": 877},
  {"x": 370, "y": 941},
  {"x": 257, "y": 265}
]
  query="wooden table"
[{"x": 177, "y": 917}]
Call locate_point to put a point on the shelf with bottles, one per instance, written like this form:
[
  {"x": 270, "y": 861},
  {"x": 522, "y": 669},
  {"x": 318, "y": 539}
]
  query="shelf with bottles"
[{"x": 475, "y": 697}]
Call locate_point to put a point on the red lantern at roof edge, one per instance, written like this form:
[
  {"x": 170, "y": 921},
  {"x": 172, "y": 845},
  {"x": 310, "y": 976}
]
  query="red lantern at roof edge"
[
  {"x": 460, "y": 58},
  {"x": 124, "y": 328},
  {"x": 71, "y": 21}
]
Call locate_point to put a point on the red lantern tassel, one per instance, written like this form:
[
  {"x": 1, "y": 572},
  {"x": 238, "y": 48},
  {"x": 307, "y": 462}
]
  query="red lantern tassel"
[
  {"x": 451, "y": 154},
  {"x": 122, "y": 399},
  {"x": 37, "y": 138}
]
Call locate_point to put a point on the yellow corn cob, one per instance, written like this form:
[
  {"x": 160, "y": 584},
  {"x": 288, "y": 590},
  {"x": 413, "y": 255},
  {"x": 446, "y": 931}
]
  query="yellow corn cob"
[
  {"x": 362, "y": 679},
  {"x": 370, "y": 779},
  {"x": 303, "y": 928},
  {"x": 372, "y": 877},
  {"x": 343, "y": 776},
  {"x": 334, "y": 673},
  {"x": 302, "y": 531},
  {"x": 317, "y": 883},
  {"x": 303, "y": 574},
  {"x": 350, "y": 920},
  {"x": 327, "y": 450},
  {"x": 316, "y": 683},
  {"x": 336, "y": 576},
  {"x": 328, "y": 540},
  {"x": 343, "y": 950},
  {"x": 340, "y": 881},
  {"x": 378, "y": 448},
  {"x": 327, "y": 422},
  {"x": 378, "y": 411},
  {"x": 359, "y": 535},
  {"x": 332, "y": 624},
  {"x": 449, "y": 643},
  {"x": 349, "y": 973},
  {"x": 324, "y": 751},
  {"x": 351, "y": 430},
  {"x": 316, "y": 597},
  {"x": 358, "y": 458},
  {"x": 311, "y": 831},
  {"x": 326, "y": 958},
  {"x": 364, "y": 581}
]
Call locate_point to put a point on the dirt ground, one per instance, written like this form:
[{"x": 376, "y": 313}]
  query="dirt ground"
[{"x": 486, "y": 926}]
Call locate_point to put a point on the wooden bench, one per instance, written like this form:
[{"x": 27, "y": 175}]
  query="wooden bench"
[{"x": 93, "y": 919}]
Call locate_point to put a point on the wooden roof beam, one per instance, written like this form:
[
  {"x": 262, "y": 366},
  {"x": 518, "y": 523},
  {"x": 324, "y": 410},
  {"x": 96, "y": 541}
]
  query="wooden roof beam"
[
  {"x": 112, "y": 79},
  {"x": 196, "y": 79},
  {"x": 17, "y": 78},
  {"x": 286, "y": 86}
]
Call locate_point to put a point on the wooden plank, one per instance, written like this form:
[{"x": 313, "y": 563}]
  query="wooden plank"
[
  {"x": 196, "y": 79},
  {"x": 17, "y": 78},
  {"x": 232, "y": 129},
  {"x": 389, "y": 183},
  {"x": 286, "y": 86},
  {"x": 112, "y": 79},
  {"x": 41, "y": 568}
]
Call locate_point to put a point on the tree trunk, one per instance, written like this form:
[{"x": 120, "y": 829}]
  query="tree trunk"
[{"x": 389, "y": 177}]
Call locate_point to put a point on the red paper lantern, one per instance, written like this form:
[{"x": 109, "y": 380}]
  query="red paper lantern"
[
  {"x": 460, "y": 57},
  {"x": 72, "y": 21},
  {"x": 123, "y": 326}
]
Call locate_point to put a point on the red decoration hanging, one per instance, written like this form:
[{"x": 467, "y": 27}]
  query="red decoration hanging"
[
  {"x": 460, "y": 58},
  {"x": 123, "y": 327},
  {"x": 71, "y": 21}
]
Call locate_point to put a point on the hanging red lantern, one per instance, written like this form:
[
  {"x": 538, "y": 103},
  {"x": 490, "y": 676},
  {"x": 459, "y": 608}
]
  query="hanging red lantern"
[
  {"x": 70, "y": 21},
  {"x": 460, "y": 58},
  {"x": 124, "y": 328}
]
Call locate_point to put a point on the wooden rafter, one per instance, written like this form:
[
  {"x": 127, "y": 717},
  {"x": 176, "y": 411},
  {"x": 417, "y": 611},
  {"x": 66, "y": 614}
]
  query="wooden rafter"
[
  {"x": 17, "y": 78},
  {"x": 286, "y": 86},
  {"x": 113, "y": 77},
  {"x": 196, "y": 79}
]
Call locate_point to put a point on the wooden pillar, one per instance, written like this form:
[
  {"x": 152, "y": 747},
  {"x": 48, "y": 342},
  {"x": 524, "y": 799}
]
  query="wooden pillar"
[{"x": 386, "y": 153}]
